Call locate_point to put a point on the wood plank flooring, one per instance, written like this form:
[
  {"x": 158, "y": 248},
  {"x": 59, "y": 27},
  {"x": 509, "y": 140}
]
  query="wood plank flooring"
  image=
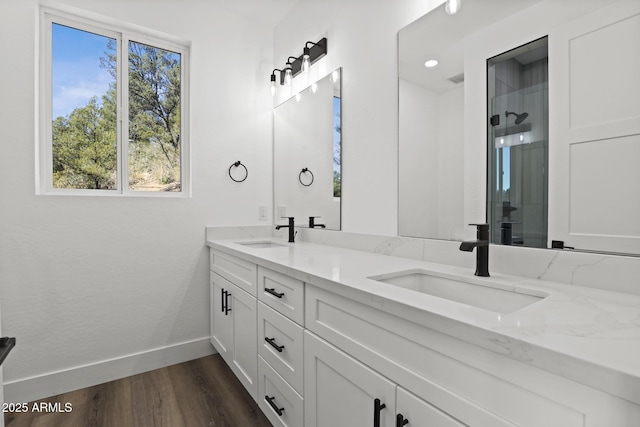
[{"x": 199, "y": 393}]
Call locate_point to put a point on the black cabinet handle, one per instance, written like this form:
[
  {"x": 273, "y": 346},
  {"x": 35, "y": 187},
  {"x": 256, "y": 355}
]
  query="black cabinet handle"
[
  {"x": 226, "y": 303},
  {"x": 274, "y": 345},
  {"x": 222, "y": 298},
  {"x": 401, "y": 420},
  {"x": 273, "y": 292},
  {"x": 377, "y": 407},
  {"x": 270, "y": 400}
]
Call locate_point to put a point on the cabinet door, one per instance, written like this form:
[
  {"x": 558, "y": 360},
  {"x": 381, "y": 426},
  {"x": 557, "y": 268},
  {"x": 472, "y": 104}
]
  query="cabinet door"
[
  {"x": 340, "y": 391},
  {"x": 419, "y": 413},
  {"x": 242, "y": 310},
  {"x": 220, "y": 321}
]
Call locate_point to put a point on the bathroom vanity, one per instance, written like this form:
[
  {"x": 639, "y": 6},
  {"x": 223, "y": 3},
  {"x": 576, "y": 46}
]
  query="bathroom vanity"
[{"x": 327, "y": 336}]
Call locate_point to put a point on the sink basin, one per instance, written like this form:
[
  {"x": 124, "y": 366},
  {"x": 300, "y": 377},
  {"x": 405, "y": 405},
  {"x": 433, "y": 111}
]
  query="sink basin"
[
  {"x": 472, "y": 291},
  {"x": 262, "y": 244}
]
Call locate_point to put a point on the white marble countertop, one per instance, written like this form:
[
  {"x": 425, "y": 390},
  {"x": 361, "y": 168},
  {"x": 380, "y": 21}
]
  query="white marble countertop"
[{"x": 588, "y": 335}]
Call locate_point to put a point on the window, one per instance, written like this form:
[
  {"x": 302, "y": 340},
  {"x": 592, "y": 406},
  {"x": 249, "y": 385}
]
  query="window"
[{"x": 113, "y": 113}]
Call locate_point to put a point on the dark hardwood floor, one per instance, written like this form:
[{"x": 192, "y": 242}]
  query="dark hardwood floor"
[{"x": 199, "y": 393}]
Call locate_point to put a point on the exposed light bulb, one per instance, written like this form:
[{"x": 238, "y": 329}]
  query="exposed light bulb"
[
  {"x": 288, "y": 75},
  {"x": 306, "y": 60},
  {"x": 452, "y": 6},
  {"x": 273, "y": 84}
]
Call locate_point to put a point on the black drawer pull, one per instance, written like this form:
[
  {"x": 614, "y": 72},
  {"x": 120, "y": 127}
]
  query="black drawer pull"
[
  {"x": 401, "y": 420},
  {"x": 270, "y": 400},
  {"x": 226, "y": 303},
  {"x": 274, "y": 345},
  {"x": 222, "y": 298},
  {"x": 377, "y": 407},
  {"x": 273, "y": 292}
]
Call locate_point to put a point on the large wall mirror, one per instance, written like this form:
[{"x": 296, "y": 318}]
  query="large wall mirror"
[
  {"x": 307, "y": 155},
  {"x": 570, "y": 127}
]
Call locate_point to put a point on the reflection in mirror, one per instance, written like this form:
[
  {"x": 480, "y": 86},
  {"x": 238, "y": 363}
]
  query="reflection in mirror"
[
  {"x": 431, "y": 117},
  {"x": 518, "y": 144},
  {"x": 307, "y": 155},
  {"x": 590, "y": 183}
]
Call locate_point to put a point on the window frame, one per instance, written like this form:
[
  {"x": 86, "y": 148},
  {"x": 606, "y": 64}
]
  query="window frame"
[{"x": 123, "y": 34}]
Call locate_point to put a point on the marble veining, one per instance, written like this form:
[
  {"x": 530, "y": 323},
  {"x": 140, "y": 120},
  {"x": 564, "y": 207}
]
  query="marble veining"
[
  {"x": 585, "y": 334},
  {"x": 617, "y": 273}
]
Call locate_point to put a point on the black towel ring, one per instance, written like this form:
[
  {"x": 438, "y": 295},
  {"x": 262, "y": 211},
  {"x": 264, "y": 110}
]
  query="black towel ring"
[
  {"x": 246, "y": 172},
  {"x": 305, "y": 170}
]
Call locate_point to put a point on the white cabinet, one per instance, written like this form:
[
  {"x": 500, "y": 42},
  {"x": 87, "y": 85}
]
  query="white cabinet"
[
  {"x": 233, "y": 317},
  {"x": 282, "y": 293},
  {"x": 219, "y": 317},
  {"x": 451, "y": 378},
  {"x": 280, "y": 345},
  {"x": 278, "y": 400},
  {"x": 340, "y": 391},
  {"x": 314, "y": 358},
  {"x": 414, "y": 411}
]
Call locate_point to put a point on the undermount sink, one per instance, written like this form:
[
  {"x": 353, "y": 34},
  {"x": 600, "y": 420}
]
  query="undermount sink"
[
  {"x": 471, "y": 291},
  {"x": 265, "y": 244}
]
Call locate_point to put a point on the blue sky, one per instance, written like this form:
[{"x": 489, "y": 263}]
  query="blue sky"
[{"x": 77, "y": 75}]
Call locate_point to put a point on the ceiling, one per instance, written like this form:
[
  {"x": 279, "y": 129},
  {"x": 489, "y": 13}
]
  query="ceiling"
[{"x": 269, "y": 12}]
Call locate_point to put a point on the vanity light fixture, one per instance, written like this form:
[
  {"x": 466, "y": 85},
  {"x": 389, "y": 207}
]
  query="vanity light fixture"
[
  {"x": 295, "y": 65},
  {"x": 273, "y": 80},
  {"x": 452, "y": 6},
  {"x": 288, "y": 72},
  {"x": 312, "y": 52}
]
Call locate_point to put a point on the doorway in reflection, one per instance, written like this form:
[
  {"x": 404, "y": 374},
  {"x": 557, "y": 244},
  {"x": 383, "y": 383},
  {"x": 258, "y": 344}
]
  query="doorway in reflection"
[{"x": 518, "y": 142}]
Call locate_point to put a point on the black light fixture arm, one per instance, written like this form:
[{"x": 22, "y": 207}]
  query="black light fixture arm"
[
  {"x": 315, "y": 51},
  {"x": 273, "y": 75}
]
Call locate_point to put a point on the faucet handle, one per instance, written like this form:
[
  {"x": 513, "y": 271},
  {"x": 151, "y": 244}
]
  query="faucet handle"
[
  {"x": 482, "y": 231},
  {"x": 481, "y": 226}
]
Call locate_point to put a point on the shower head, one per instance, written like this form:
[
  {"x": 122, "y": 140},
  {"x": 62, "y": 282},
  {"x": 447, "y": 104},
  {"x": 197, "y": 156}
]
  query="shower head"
[{"x": 519, "y": 117}]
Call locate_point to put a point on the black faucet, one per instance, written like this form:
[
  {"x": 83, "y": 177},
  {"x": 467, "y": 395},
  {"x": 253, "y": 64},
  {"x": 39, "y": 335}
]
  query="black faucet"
[
  {"x": 312, "y": 222},
  {"x": 292, "y": 232},
  {"x": 482, "y": 253}
]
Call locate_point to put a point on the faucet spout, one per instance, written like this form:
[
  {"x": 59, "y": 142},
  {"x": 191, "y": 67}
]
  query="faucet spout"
[
  {"x": 291, "y": 227},
  {"x": 468, "y": 245},
  {"x": 482, "y": 251}
]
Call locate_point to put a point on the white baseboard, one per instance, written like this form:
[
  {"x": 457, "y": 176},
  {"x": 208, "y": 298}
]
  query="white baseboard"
[{"x": 54, "y": 383}]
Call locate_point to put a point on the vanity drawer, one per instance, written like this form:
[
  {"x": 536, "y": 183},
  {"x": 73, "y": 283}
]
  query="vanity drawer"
[
  {"x": 282, "y": 293},
  {"x": 238, "y": 271},
  {"x": 280, "y": 344},
  {"x": 283, "y": 398}
]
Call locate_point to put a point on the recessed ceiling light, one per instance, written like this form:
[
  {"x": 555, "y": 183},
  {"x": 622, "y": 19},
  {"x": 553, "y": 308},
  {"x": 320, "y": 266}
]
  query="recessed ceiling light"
[{"x": 431, "y": 63}]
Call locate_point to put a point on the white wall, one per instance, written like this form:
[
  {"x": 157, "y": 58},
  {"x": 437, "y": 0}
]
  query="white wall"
[
  {"x": 430, "y": 189},
  {"x": 92, "y": 279},
  {"x": 362, "y": 38}
]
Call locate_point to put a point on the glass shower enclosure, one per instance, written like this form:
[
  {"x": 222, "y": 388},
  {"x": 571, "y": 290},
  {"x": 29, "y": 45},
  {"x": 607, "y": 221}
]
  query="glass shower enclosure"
[{"x": 517, "y": 143}]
